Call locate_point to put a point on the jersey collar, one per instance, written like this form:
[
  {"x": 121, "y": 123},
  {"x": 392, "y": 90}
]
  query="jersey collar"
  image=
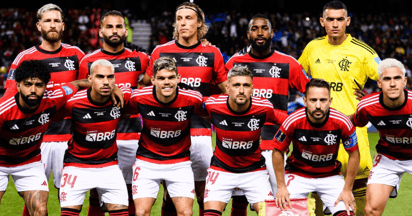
[
  {"x": 49, "y": 52},
  {"x": 317, "y": 125},
  {"x": 238, "y": 113},
  {"x": 23, "y": 110},
  {"x": 89, "y": 97},
  {"x": 263, "y": 57},
  {"x": 113, "y": 54},
  {"x": 165, "y": 104},
  {"x": 347, "y": 40},
  {"x": 187, "y": 47}
]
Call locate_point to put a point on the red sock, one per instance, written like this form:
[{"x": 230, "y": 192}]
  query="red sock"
[
  {"x": 94, "y": 208},
  {"x": 25, "y": 211},
  {"x": 132, "y": 209},
  {"x": 123, "y": 212},
  {"x": 69, "y": 212},
  {"x": 212, "y": 213},
  {"x": 239, "y": 206}
]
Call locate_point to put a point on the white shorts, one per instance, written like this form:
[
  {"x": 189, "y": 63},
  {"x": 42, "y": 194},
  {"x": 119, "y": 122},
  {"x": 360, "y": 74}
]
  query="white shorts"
[
  {"x": 201, "y": 152},
  {"x": 148, "y": 176},
  {"x": 267, "y": 154},
  {"x": 255, "y": 185},
  {"x": 26, "y": 177},
  {"x": 52, "y": 155},
  {"x": 126, "y": 155},
  {"x": 328, "y": 189},
  {"x": 388, "y": 172},
  {"x": 77, "y": 181}
]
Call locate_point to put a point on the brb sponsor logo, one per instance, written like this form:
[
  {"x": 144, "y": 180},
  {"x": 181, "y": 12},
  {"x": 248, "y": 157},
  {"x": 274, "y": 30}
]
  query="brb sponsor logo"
[
  {"x": 316, "y": 158},
  {"x": 156, "y": 132},
  {"x": 336, "y": 86},
  {"x": 229, "y": 144},
  {"x": 398, "y": 140},
  {"x": 265, "y": 93},
  {"x": 100, "y": 136},
  {"x": 25, "y": 140},
  {"x": 193, "y": 82}
]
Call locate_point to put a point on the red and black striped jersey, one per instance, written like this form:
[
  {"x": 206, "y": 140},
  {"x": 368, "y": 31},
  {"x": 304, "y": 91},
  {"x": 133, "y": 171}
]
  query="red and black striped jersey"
[
  {"x": 394, "y": 124},
  {"x": 22, "y": 131},
  {"x": 63, "y": 65},
  {"x": 128, "y": 65},
  {"x": 165, "y": 136},
  {"x": 94, "y": 130},
  {"x": 237, "y": 134},
  {"x": 198, "y": 67},
  {"x": 273, "y": 75},
  {"x": 315, "y": 146}
]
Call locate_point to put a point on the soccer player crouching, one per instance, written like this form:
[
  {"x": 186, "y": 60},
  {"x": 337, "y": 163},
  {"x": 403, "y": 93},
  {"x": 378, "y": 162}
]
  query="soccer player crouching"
[
  {"x": 24, "y": 119},
  {"x": 91, "y": 159},
  {"x": 237, "y": 161},
  {"x": 316, "y": 131},
  {"x": 390, "y": 112},
  {"x": 163, "y": 153}
]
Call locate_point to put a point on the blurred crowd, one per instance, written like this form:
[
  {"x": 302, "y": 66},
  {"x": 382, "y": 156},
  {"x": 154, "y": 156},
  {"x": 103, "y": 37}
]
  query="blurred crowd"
[{"x": 389, "y": 34}]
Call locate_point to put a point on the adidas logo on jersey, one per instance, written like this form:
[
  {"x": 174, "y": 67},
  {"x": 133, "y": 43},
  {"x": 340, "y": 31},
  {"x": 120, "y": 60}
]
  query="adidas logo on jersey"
[
  {"x": 303, "y": 139},
  {"x": 44, "y": 183},
  {"x": 87, "y": 116},
  {"x": 14, "y": 127},
  {"x": 381, "y": 123},
  {"x": 151, "y": 113},
  {"x": 317, "y": 61},
  {"x": 223, "y": 123}
]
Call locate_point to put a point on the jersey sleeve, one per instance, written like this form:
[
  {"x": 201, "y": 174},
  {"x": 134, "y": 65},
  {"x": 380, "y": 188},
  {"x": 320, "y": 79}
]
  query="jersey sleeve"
[
  {"x": 127, "y": 94},
  {"x": 371, "y": 66},
  {"x": 144, "y": 61},
  {"x": 10, "y": 85},
  {"x": 83, "y": 69},
  {"x": 360, "y": 118},
  {"x": 275, "y": 116},
  {"x": 298, "y": 78},
  {"x": 68, "y": 90},
  {"x": 132, "y": 104},
  {"x": 155, "y": 55},
  {"x": 281, "y": 140},
  {"x": 349, "y": 138},
  {"x": 304, "y": 58},
  {"x": 229, "y": 65},
  {"x": 219, "y": 72}
]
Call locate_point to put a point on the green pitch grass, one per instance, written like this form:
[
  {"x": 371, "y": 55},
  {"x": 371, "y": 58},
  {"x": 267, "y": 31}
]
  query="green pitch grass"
[{"x": 12, "y": 204}]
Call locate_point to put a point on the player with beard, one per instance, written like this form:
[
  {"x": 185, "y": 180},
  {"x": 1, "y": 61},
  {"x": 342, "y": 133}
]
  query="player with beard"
[
  {"x": 274, "y": 73},
  {"x": 199, "y": 65},
  {"x": 24, "y": 119},
  {"x": 316, "y": 131},
  {"x": 130, "y": 64},
  {"x": 62, "y": 61},
  {"x": 346, "y": 63}
]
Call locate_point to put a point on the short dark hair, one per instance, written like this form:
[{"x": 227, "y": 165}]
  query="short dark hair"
[
  {"x": 320, "y": 83},
  {"x": 262, "y": 16},
  {"x": 111, "y": 13},
  {"x": 335, "y": 5},
  {"x": 164, "y": 63},
  {"x": 32, "y": 69}
]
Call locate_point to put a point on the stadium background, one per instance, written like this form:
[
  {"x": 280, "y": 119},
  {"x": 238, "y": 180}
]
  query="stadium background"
[{"x": 384, "y": 25}]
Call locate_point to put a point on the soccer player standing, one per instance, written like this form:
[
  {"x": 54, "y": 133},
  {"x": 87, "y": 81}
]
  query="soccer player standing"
[
  {"x": 24, "y": 119},
  {"x": 237, "y": 161},
  {"x": 273, "y": 74},
  {"x": 344, "y": 62},
  {"x": 62, "y": 61},
  {"x": 91, "y": 158},
  {"x": 130, "y": 64},
  {"x": 163, "y": 153},
  {"x": 390, "y": 112},
  {"x": 316, "y": 131},
  {"x": 198, "y": 66}
]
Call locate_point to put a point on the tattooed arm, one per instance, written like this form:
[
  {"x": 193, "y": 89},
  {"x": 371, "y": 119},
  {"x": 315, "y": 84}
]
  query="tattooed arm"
[{"x": 81, "y": 84}]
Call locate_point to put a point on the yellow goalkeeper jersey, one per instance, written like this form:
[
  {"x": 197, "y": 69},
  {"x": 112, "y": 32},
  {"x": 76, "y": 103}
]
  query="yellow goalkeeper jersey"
[{"x": 340, "y": 65}]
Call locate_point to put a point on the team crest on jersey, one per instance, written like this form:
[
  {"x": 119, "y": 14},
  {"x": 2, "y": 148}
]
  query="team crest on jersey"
[
  {"x": 201, "y": 61},
  {"x": 330, "y": 139},
  {"x": 115, "y": 112},
  {"x": 181, "y": 115},
  {"x": 44, "y": 118},
  {"x": 409, "y": 123},
  {"x": 69, "y": 64},
  {"x": 275, "y": 71},
  {"x": 130, "y": 65},
  {"x": 344, "y": 64},
  {"x": 253, "y": 124}
]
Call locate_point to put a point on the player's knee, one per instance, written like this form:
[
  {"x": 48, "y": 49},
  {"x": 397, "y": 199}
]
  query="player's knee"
[
  {"x": 142, "y": 212},
  {"x": 185, "y": 212},
  {"x": 372, "y": 210},
  {"x": 40, "y": 210}
]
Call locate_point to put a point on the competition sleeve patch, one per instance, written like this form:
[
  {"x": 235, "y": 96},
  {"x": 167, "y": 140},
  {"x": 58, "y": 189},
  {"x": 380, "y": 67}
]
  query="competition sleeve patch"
[
  {"x": 351, "y": 141},
  {"x": 67, "y": 90},
  {"x": 280, "y": 136}
]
